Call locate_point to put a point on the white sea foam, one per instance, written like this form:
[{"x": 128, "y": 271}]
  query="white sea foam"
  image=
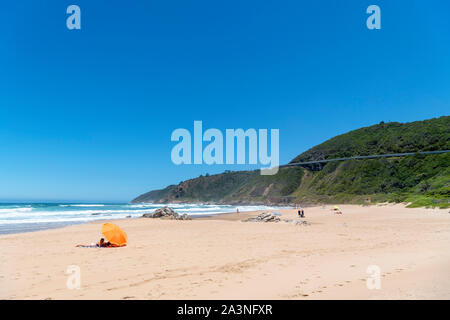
[
  {"x": 44, "y": 214},
  {"x": 59, "y": 219},
  {"x": 21, "y": 214},
  {"x": 81, "y": 205},
  {"x": 15, "y": 210}
]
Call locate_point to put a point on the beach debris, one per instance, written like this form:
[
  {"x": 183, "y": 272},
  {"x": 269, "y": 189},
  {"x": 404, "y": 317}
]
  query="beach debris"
[
  {"x": 296, "y": 222},
  {"x": 264, "y": 217},
  {"x": 274, "y": 217},
  {"x": 166, "y": 213}
]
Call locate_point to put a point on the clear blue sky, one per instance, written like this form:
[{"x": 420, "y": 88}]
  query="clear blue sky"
[{"x": 88, "y": 114}]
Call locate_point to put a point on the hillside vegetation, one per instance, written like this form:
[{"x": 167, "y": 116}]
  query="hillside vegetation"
[
  {"x": 230, "y": 187},
  {"x": 421, "y": 180},
  {"x": 383, "y": 138}
]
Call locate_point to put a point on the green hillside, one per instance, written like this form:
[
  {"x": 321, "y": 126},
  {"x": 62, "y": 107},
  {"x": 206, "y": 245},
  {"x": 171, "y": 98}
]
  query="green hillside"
[
  {"x": 422, "y": 180},
  {"x": 230, "y": 187},
  {"x": 382, "y": 138}
]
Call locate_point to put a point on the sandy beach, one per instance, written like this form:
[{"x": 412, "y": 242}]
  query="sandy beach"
[{"x": 222, "y": 257}]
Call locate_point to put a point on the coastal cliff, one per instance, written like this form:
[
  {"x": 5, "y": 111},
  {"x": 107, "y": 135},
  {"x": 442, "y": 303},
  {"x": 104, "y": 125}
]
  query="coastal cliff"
[{"x": 422, "y": 180}]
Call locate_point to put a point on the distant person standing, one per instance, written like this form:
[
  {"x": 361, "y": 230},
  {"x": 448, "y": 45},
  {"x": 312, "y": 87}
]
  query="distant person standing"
[{"x": 237, "y": 210}]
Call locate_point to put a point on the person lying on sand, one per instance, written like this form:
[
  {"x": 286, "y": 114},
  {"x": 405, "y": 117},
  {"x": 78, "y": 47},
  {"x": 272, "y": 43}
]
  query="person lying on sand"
[
  {"x": 100, "y": 244},
  {"x": 92, "y": 245}
]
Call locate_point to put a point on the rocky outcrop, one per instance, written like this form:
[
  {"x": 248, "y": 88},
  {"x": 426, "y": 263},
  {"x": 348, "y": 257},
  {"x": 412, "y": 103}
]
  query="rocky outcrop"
[
  {"x": 274, "y": 217},
  {"x": 264, "y": 217},
  {"x": 166, "y": 213}
]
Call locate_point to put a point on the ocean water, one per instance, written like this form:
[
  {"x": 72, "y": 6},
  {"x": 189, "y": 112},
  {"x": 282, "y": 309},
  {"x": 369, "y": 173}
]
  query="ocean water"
[{"x": 24, "y": 217}]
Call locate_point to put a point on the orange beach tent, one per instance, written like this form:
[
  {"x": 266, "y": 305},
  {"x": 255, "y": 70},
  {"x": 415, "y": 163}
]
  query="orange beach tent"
[{"x": 114, "y": 234}]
